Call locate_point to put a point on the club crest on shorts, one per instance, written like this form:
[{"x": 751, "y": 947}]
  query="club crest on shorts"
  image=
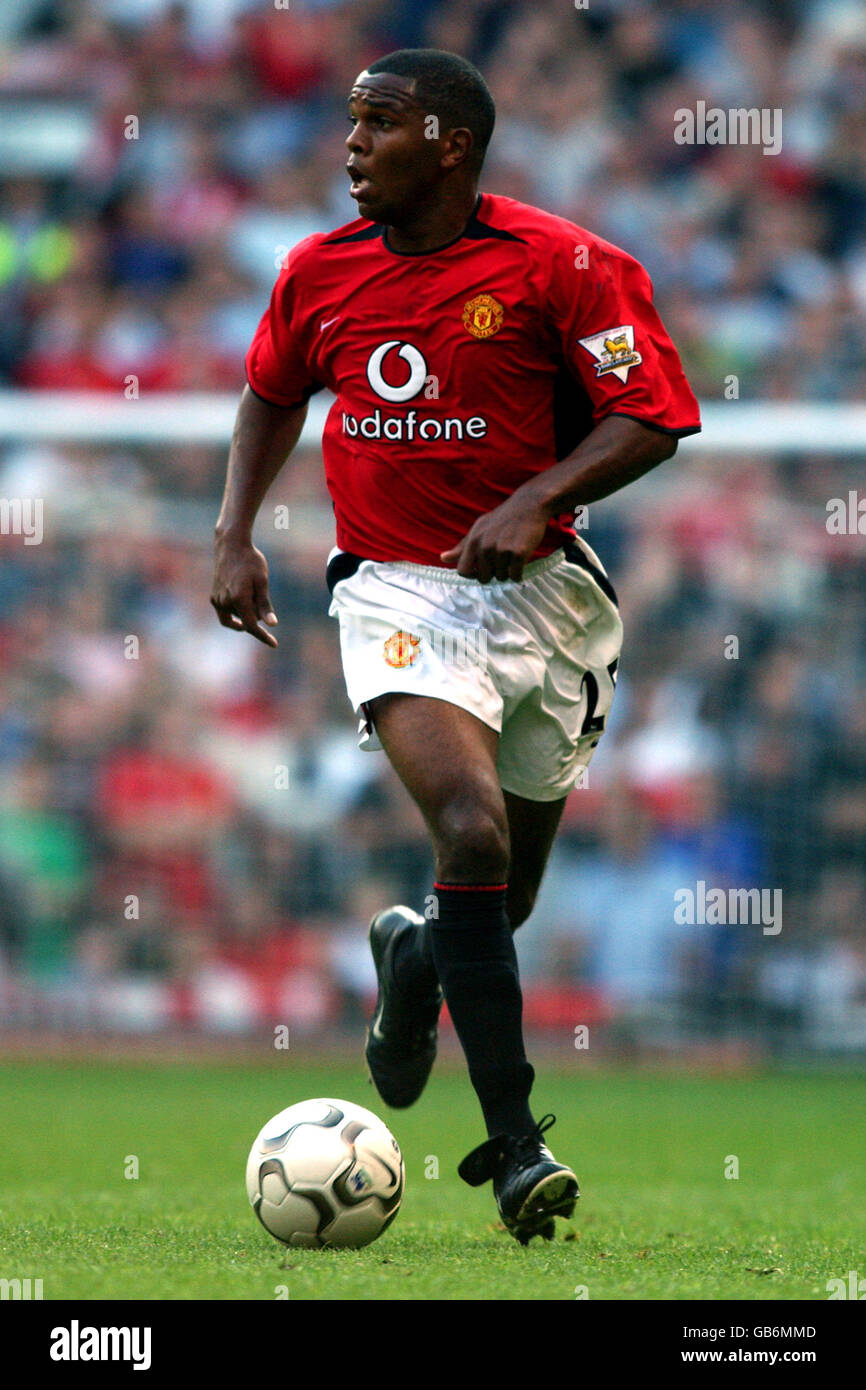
[
  {"x": 482, "y": 316},
  {"x": 402, "y": 648},
  {"x": 613, "y": 351}
]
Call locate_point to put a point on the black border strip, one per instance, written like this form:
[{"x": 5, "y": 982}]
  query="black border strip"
[
  {"x": 343, "y": 566},
  {"x": 311, "y": 391},
  {"x": 575, "y": 556},
  {"x": 650, "y": 425}
]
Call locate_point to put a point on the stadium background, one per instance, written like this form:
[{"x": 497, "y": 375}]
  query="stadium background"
[{"x": 150, "y": 771}]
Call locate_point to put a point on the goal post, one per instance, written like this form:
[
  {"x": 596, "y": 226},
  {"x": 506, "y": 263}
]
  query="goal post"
[{"x": 729, "y": 427}]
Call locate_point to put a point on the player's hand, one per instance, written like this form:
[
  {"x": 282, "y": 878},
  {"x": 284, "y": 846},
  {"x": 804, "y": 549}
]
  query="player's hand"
[
  {"x": 500, "y": 542},
  {"x": 240, "y": 589}
]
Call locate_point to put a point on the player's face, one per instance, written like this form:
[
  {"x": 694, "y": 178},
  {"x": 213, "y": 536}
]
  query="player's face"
[{"x": 392, "y": 163}]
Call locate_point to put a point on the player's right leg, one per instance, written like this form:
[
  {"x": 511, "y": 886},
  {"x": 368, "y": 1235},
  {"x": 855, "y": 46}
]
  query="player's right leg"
[{"x": 446, "y": 759}]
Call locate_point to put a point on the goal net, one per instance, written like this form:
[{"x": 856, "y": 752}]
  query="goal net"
[{"x": 189, "y": 836}]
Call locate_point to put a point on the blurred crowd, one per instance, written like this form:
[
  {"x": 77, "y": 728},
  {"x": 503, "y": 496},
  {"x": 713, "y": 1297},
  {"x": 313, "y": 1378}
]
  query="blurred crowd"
[
  {"x": 188, "y": 832},
  {"x": 159, "y": 159}
]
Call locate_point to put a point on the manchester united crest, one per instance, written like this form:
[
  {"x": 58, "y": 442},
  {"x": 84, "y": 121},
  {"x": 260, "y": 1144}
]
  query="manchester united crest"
[
  {"x": 402, "y": 648},
  {"x": 482, "y": 316}
]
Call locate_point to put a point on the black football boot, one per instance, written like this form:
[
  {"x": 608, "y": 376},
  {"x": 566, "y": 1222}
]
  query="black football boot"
[
  {"x": 530, "y": 1187},
  {"x": 401, "y": 1040}
]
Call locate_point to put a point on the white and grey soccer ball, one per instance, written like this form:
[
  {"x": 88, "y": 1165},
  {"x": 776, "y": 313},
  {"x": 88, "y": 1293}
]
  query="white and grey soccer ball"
[{"x": 325, "y": 1172}]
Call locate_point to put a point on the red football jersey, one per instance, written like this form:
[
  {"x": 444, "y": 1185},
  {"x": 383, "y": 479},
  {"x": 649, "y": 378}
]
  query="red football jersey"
[{"x": 460, "y": 373}]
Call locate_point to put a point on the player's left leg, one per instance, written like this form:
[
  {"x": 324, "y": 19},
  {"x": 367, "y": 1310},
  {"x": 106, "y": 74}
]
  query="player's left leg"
[
  {"x": 549, "y": 731},
  {"x": 532, "y": 829},
  {"x": 531, "y": 1186},
  {"x": 446, "y": 759}
]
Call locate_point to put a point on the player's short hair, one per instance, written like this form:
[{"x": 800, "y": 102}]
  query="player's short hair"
[{"x": 449, "y": 87}]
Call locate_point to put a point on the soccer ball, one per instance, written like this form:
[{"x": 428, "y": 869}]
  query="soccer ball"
[{"x": 325, "y": 1172}]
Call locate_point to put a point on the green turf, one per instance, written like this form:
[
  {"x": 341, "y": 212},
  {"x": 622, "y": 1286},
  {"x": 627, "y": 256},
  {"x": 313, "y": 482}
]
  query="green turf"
[{"x": 657, "y": 1219}]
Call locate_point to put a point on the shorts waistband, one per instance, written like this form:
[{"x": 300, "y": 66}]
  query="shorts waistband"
[
  {"x": 447, "y": 576},
  {"x": 342, "y": 564}
]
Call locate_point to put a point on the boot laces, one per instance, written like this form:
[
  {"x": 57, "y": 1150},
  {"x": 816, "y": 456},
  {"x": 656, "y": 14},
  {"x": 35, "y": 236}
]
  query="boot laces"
[{"x": 525, "y": 1148}]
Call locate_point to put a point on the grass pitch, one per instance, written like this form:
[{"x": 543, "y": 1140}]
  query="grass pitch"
[{"x": 658, "y": 1218}]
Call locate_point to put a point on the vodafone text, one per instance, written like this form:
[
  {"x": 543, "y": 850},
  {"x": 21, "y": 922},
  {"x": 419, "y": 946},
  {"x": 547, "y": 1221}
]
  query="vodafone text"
[{"x": 409, "y": 427}]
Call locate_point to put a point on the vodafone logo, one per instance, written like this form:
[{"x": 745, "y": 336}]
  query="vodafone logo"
[
  {"x": 410, "y": 426},
  {"x": 417, "y": 371}
]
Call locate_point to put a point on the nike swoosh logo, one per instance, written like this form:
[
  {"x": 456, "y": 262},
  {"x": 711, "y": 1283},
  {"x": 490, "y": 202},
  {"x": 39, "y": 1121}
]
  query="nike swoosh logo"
[{"x": 326, "y": 323}]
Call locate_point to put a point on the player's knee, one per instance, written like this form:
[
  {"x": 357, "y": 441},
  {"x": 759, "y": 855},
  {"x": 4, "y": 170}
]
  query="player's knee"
[{"x": 470, "y": 838}]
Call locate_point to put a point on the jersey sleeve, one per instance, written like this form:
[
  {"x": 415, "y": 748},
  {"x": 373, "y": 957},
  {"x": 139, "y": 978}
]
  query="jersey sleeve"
[
  {"x": 275, "y": 363},
  {"x": 616, "y": 345}
]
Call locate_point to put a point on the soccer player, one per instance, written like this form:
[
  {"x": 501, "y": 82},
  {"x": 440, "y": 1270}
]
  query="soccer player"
[{"x": 495, "y": 367}]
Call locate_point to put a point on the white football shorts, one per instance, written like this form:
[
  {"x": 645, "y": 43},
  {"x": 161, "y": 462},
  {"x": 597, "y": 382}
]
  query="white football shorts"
[{"x": 535, "y": 659}]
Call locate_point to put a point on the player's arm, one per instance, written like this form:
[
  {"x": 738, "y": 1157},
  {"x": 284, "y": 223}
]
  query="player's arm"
[
  {"x": 612, "y": 455},
  {"x": 615, "y": 453},
  {"x": 641, "y": 403},
  {"x": 264, "y": 436}
]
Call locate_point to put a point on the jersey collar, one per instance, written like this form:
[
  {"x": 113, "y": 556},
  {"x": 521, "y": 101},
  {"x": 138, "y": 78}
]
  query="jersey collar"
[{"x": 467, "y": 231}]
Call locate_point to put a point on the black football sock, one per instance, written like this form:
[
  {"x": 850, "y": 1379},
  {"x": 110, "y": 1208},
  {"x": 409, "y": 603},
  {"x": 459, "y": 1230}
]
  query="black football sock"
[
  {"x": 414, "y": 968},
  {"x": 474, "y": 954}
]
